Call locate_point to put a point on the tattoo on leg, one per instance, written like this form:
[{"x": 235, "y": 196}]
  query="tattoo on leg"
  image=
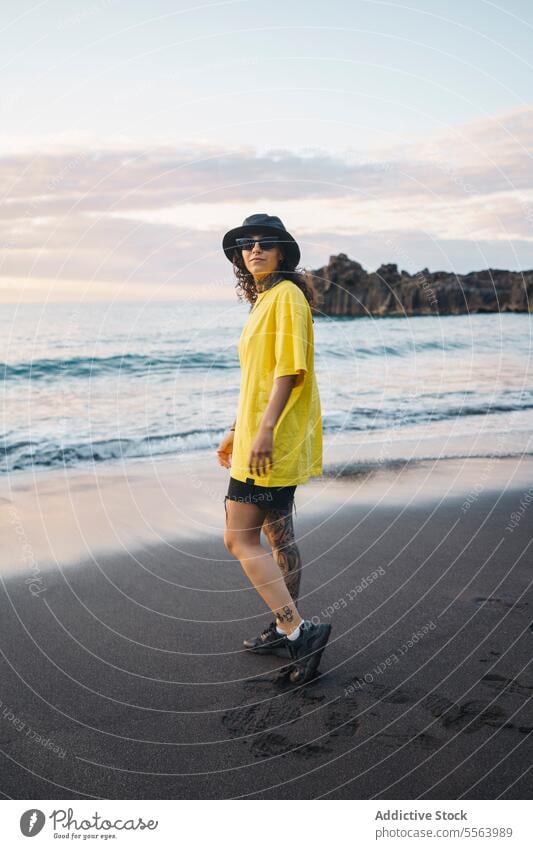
[
  {"x": 285, "y": 614},
  {"x": 279, "y": 530}
]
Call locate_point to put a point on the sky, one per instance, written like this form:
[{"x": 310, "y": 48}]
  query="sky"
[{"x": 134, "y": 134}]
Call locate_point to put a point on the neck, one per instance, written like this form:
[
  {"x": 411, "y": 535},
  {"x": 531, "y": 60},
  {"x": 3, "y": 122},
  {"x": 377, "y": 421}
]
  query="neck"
[{"x": 268, "y": 281}]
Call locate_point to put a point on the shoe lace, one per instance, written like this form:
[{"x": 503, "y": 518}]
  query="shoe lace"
[{"x": 268, "y": 631}]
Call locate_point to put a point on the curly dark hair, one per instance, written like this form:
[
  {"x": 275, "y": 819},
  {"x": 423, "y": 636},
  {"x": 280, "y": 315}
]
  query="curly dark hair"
[{"x": 246, "y": 288}]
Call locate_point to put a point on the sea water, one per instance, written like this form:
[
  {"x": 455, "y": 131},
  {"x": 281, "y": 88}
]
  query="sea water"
[{"x": 97, "y": 382}]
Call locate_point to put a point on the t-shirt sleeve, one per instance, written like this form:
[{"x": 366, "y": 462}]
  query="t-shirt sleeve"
[{"x": 292, "y": 342}]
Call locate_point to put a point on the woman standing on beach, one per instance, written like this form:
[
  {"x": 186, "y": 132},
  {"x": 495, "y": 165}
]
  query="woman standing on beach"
[{"x": 275, "y": 442}]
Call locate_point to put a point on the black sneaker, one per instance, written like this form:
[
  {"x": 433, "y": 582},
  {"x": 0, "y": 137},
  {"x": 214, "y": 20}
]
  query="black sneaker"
[
  {"x": 307, "y": 650},
  {"x": 268, "y": 642}
]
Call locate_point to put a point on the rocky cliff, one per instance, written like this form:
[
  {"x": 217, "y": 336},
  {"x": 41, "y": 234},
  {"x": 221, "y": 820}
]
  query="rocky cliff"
[{"x": 343, "y": 287}]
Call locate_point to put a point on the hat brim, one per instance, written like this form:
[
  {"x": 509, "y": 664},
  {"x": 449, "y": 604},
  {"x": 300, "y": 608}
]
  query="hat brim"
[{"x": 288, "y": 244}]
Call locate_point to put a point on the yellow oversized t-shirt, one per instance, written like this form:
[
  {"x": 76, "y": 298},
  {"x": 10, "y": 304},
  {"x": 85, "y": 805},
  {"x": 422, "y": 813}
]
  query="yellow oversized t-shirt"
[{"x": 277, "y": 340}]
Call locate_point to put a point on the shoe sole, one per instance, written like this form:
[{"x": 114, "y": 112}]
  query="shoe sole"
[{"x": 308, "y": 669}]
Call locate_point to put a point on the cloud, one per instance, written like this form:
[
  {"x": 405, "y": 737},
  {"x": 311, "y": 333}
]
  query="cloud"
[{"x": 159, "y": 215}]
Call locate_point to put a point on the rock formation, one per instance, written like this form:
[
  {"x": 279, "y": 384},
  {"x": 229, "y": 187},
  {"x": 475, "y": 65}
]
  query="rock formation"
[{"x": 343, "y": 287}]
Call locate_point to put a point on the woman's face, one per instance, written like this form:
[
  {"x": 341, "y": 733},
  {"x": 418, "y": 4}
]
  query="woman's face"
[{"x": 261, "y": 262}]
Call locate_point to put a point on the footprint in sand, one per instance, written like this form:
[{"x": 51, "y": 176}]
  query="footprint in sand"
[
  {"x": 468, "y": 716},
  {"x": 502, "y": 604},
  {"x": 296, "y": 725},
  {"x": 508, "y": 685}
]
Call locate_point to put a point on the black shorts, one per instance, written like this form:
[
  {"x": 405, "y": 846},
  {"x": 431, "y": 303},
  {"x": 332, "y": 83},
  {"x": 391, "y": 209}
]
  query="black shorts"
[{"x": 266, "y": 497}]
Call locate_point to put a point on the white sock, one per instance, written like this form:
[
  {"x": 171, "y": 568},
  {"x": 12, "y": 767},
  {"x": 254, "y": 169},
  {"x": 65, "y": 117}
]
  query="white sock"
[{"x": 293, "y": 636}]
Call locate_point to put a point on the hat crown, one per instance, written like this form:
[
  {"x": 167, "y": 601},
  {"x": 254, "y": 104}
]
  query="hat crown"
[{"x": 261, "y": 219}]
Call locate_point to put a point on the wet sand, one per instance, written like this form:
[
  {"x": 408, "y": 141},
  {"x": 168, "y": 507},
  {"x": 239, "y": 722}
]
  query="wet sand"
[{"x": 122, "y": 669}]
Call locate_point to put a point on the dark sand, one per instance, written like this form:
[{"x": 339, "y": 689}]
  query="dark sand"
[{"x": 131, "y": 664}]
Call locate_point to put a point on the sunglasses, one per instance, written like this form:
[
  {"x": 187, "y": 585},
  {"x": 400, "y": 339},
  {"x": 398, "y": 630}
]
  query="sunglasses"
[{"x": 266, "y": 243}]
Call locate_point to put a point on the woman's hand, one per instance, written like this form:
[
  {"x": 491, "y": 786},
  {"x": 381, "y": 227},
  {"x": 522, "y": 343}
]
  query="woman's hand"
[
  {"x": 261, "y": 460},
  {"x": 225, "y": 450}
]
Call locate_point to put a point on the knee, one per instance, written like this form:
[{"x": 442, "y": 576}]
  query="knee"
[
  {"x": 230, "y": 541},
  {"x": 235, "y": 544}
]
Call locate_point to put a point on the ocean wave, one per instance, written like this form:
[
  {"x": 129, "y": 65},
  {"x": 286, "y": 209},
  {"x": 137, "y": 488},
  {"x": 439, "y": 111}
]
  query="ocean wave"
[
  {"x": 129, "y": 364},
  {"x": 380, "y": 418},
  {"x": 51, "y": 368},
  {"x": 27, "y": 454},
  {"x": 405, "y": 348},
  {"x": 17, "y": 454}
]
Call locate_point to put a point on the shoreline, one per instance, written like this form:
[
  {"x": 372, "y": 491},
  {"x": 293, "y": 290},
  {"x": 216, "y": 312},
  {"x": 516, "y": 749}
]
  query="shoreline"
[{"x": 62, "y": 517}]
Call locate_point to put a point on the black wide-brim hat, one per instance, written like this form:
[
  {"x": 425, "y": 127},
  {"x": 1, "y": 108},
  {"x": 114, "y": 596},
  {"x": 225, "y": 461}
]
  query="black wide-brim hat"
[{"x": 267, "y": 225}]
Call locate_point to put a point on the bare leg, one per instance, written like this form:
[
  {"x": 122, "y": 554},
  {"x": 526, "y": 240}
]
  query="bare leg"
[
  {"x": 279, "y": 530},
  {"x": 242, "y": 539}
]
